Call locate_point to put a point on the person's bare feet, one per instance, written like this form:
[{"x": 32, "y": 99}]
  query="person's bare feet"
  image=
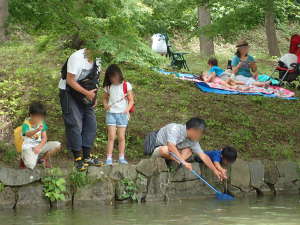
[
  {"x": 48, "y": 163},
  {"x": 267, "y": 84},
  {"x": 242, "y": 88}
]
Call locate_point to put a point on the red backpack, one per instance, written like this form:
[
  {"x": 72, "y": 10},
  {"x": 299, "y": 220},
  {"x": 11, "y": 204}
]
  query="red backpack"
[{"x": 125, "y": 90}]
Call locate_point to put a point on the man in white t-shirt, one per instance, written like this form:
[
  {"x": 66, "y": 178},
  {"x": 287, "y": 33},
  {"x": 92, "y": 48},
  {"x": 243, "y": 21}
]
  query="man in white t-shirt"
[{"x": 79, "y": 118}]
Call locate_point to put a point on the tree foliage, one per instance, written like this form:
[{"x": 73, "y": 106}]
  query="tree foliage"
[
  {"x": 115, "y": 27},
  {"x": 119, "y": 28}
]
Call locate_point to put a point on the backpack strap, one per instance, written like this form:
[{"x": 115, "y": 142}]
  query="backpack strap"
[
  {"x": 64, "y": 70},
  {"x": 94, "y": 74},
  {"x": 125, "y": 88},
  {"x": 26, "y": 121}
]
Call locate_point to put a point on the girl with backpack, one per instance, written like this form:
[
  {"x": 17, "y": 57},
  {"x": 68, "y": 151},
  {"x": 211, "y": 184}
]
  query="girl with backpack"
[{"x": 118, "y": 103}]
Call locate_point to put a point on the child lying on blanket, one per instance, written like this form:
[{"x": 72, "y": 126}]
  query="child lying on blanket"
[
  {"x": 229, "y": 83},
  {"x": 219, "y": 76}
]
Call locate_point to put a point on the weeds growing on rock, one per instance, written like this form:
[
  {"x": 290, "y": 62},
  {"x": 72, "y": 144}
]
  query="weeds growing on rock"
[
  {"x": 78, "y": 180},
  {"x": 54, "y": 185},
  {"x": 130, "y": 189},
  {"x": 1, "y": 187}
]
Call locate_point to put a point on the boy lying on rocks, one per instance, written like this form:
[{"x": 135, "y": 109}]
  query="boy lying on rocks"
[
  {"x": 183, "y": 141},
  {"x": 220, "y": 158}
]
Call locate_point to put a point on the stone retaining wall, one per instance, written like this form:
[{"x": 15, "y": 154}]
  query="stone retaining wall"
[{"x": 153, "y": 181}]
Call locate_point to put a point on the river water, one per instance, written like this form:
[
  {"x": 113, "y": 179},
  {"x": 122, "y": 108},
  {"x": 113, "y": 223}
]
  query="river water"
[{"x": 282, "y": 210}]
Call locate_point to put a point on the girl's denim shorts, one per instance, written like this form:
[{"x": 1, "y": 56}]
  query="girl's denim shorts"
[{"x": 116, "y": 119}]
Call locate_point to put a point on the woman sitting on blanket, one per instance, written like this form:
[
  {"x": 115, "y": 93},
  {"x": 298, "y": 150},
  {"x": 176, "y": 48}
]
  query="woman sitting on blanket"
[
  {"x": 219, "y": 76},
  {"x": 244, "y": 66}
]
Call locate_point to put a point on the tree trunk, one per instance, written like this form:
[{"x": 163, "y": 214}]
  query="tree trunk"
[
  {"x": 271, "y": 31},
  {"x": 206, "y": 43},
  {"x": 3, "y": 17}
]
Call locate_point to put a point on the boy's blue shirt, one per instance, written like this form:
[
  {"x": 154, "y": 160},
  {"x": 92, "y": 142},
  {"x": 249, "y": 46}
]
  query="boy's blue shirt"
[
  {"x": 214, "y": 155},
  {"x": 217, "y": 70}
]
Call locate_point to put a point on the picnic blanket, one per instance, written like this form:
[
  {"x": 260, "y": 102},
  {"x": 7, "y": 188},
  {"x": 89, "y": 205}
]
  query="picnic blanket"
[{"x": 272, "y": 91}]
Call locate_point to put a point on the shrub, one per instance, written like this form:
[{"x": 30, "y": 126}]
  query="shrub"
[{"x": 54, "y": 186}]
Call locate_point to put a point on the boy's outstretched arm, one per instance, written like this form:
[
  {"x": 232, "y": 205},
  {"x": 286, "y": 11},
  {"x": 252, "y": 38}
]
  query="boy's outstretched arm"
[
  {"x": 205, "y": 158},
  {"x": 221, "y": 169}
]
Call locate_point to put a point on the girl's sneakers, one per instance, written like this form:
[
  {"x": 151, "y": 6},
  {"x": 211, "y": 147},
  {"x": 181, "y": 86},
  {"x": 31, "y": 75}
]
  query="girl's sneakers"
[
  {"x": 109, "y": 161},
  {"x": 123, "y": 161}
]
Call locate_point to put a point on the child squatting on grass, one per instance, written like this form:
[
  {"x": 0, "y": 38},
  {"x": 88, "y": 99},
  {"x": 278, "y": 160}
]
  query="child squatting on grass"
[
  {"x": 35, "y": 146},
  {"x": 117, "y": 101}
]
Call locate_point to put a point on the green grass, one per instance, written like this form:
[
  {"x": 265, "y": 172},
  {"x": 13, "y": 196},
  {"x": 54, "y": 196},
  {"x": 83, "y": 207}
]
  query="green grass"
[{"x": 258, "y": 127}]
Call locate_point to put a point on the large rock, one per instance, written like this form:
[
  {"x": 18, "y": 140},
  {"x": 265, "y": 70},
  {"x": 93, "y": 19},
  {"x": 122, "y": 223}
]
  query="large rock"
[
  {"x": 116, "y": 172},
  {"x": 31, "y": 196},
  {"x": 142, "y": 187},
  {"x": 17, "y": 177},
  {"x": 123, "y": 171},
  {"x": 157, "y": 187},
  {"x": 288, "y": 177},
  {"x": 288, "y": 170},
  {"x": 240, "y": 175},
  {"x": 99, "y": 173},
  {"x": 182, "y": 174},
  {"x": 7, "y": 198},
  {"x": 151, "y": 166},
  {"x": 188, "y": 189},
  {"x": 271, "y": 175},
  {"x": 257, "y": 173},
  {"x": 99, "y": 193}
]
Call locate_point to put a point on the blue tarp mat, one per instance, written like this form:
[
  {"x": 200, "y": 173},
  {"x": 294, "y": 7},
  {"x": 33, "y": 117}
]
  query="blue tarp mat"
[
  {"x": 177, "y": 74},
  {"x": 205, "y": 88}
]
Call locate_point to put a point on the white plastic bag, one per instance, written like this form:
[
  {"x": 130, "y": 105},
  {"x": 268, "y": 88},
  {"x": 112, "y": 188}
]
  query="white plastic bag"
[{"x": 159, "y": 44}]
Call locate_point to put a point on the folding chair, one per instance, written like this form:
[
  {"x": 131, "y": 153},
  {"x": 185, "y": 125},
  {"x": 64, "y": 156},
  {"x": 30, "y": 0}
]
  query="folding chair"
[{"x": 177, "y": 58}]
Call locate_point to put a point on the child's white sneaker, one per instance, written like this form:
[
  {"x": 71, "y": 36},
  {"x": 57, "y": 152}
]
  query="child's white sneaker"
[
  {"x": 123, "y": 161},
  {"x": 109, "y": 161}
]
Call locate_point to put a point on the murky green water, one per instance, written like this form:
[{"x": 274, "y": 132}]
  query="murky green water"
[{"x": 283, "y": 210}]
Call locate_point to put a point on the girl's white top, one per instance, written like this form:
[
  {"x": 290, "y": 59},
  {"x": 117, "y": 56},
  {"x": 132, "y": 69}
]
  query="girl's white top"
[{"x": 117, "y": 99}]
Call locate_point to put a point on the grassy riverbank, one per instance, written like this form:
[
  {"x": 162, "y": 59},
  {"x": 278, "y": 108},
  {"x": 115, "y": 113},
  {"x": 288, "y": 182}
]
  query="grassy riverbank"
[{"x": 258, "y": 127}]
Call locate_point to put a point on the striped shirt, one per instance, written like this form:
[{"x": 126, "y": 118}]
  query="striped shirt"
[{"x": 176, "y": 134}]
